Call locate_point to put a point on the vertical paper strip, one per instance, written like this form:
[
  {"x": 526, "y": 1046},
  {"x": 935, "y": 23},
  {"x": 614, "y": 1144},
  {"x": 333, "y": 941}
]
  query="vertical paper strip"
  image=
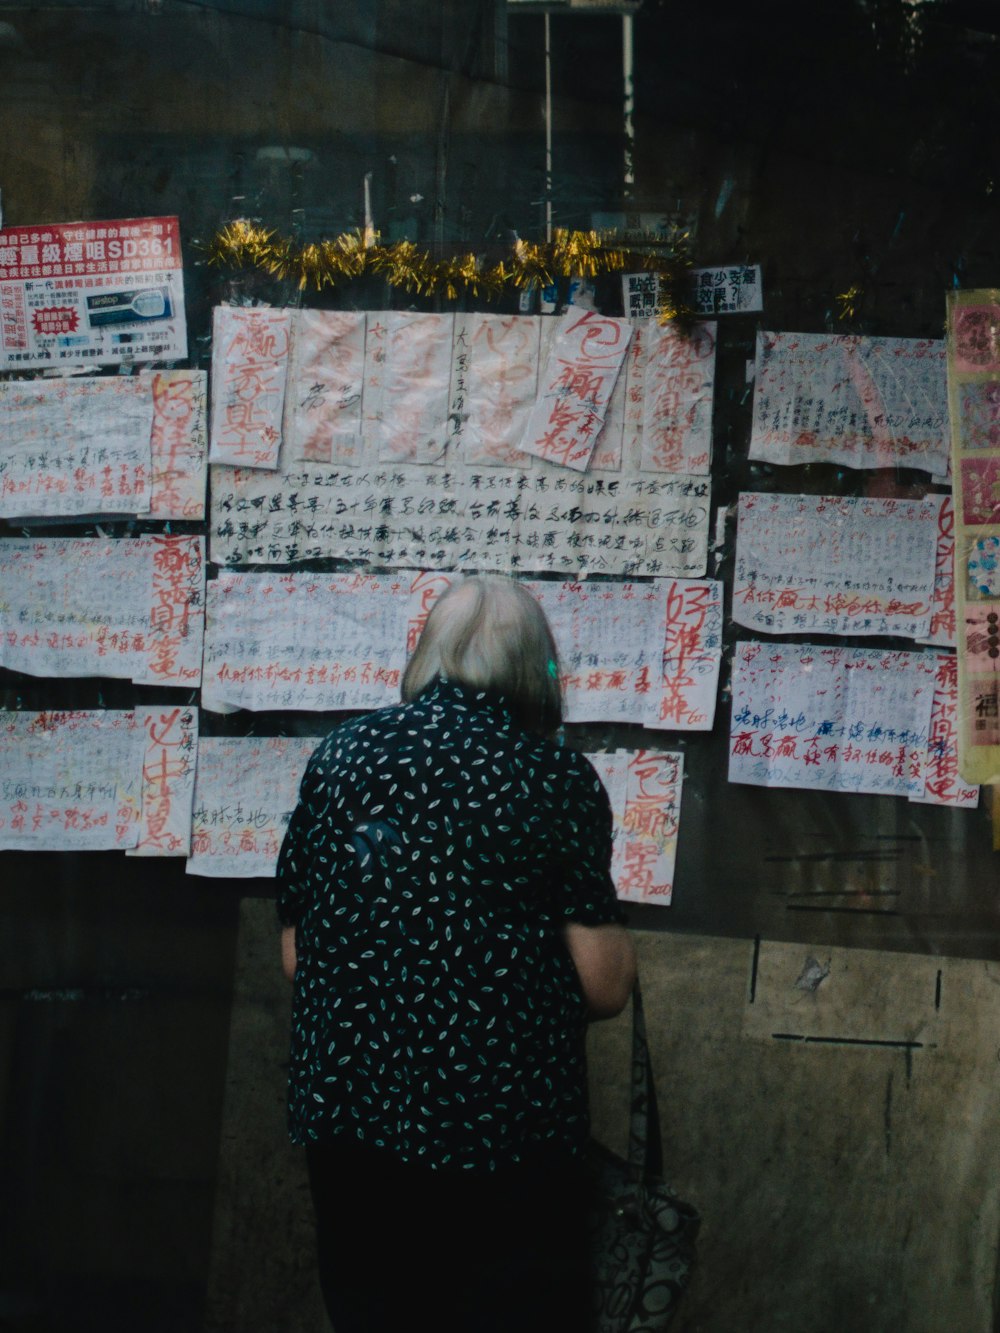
[
  {"x": 325, "y": 383},
  {"x": 168, "y": 768},
  {"x": 678, "y": 390},
  {"x": 575, "y": 388},
  {"x": 249, "y": 366},
  {"x": 412, "y": 423},
  {"x": 974, "y": 407},
  {"x": 650, "y": 825}
]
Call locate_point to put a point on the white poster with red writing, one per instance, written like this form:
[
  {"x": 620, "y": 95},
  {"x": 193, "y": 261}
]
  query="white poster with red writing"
[
  {"x": 168, "y": 768},
  {"x": 70, "y": 780},
  {"x": 575, "y": 388},
  {"x": 249, "y": 370},
  {"x": 644, "y": 788},
  {"x": 91, "y": 293},
  {"x": 305, "y": 641},
  {"x": 131, "y": 607}
]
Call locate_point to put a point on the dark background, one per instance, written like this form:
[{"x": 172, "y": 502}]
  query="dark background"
[{"x": 841, "y": 144}]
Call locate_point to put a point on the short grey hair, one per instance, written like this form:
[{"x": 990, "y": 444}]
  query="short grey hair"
[{"x": 489, "y": 634}]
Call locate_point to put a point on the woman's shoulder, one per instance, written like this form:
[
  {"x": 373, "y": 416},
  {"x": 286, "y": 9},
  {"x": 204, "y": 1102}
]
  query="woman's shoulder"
[
  {"x": 357, "y": 732},
  {"x": 569, "y": 764}
]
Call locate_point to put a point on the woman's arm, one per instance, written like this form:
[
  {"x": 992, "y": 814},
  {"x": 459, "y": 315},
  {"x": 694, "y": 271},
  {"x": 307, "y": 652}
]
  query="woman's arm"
[
  {"x": 604, "y": 958},
  {"x": 288, "y": 955}
]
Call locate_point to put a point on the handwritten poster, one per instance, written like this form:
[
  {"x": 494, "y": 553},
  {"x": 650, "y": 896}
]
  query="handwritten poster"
[
  {"x": 941, "y": 633},
  {"x": 974, "y": 403},
  {"x": 305, "y": 641},
  {"x": 575, "y": 388},
  {"x": 493, "y": 386},
  {"x": 91, "y": 293},
  {"x": 644, "y": 653},
  {"x": 325, "y": 384},
  {"x": 644, "y": 788},
  {"x": 178, "y": 444},
  {"x": 610, "y": 639},
  {"x": 441, "y": 518},
  {"x": 249, "y": 369},
  {"x": 130, "y": 608},
  {"x": 245, "y": 791},
  {"x": 860, "y": 402},
  {"x": 835, "y": 564},
  {"x": 942, "y": 783},
  {"x": 70, "y": 780},
  {"x": 409, "y": 396},
  {"x": 678, "y": 386},
  {"x": 75, "y": 446},
  {"x": 831, "y": 719},
  {"x": 692, "y": 651},
  {"x": 170, "y": 750}
]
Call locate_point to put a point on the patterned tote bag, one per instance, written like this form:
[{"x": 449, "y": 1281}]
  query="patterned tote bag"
[{"x": 643, "y": 1236}]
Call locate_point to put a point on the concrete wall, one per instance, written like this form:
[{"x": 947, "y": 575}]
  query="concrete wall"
[{"x": 832, "y": 1113}]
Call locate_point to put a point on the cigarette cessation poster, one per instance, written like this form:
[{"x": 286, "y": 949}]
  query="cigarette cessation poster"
[{"x": 91, "y": 293}]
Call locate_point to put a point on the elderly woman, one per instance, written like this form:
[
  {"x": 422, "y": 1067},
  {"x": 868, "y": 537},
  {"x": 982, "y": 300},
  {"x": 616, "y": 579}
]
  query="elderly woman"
[{"x": 450, "y": 924}]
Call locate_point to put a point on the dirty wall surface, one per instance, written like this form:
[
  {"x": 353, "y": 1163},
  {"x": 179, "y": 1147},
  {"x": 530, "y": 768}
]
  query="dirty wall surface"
[{"x": 839, "y": 152}]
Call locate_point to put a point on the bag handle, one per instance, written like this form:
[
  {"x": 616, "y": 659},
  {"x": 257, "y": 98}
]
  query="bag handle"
[{"x": 645, "y": 1144}]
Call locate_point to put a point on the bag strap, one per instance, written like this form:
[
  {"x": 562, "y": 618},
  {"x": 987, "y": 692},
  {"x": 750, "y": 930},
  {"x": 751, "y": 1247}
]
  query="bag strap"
[{"x": 645, "y": 1145}]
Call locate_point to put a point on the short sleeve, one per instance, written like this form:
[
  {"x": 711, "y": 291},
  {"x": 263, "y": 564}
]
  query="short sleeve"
[
  {"x": 296, "y": 855},
  {"x": 582, "y": 888}
]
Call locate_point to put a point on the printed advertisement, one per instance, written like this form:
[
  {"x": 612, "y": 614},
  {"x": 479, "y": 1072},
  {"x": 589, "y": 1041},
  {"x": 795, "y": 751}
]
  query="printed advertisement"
[{"x": 91, "y": 293}]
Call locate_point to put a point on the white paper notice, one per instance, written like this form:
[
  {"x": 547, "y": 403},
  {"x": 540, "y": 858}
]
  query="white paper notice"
[
  {"x": 860, "y": 402},
  {"x": 575, "y": 388},
  {"x": 75, "y": 446},
  {"x": 130, "y": 608},
  {"x": 678, "y": 387},
  {"x": 168, "y": 769},
  {"x": 943, "y": 784},
  {"x": 494, "y": 383},
  {"x": 406, "y": 517},
  {"x": 179, "y": 444},
  {"x": 731, "y": 290},
  {"x": 70, "y": 781},
  {"x": 325, "y": 385},
  {"x": 411, "y": 402},
  {"x": 831, "y": 719},
  {"x": 644, "y": 653},
  {"x": 644, "y": 788},
  {"x": 305, "y": 641},
  {"x": 249, "y": 367},
  {"x": 610, "y": 639},
  {"x": 942, "y": 626},
  {"x": 245, "y": 792},
  {"x": 835, "y": 564}
]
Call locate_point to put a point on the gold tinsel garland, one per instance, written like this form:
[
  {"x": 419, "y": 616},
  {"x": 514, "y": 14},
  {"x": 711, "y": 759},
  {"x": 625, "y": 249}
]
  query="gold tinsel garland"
[{"x": 404, "y": 265}]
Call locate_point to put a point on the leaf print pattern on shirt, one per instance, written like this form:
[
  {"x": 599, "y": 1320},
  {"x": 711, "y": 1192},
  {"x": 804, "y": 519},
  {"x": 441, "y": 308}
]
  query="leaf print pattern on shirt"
[{"x": 433, "y": 856}]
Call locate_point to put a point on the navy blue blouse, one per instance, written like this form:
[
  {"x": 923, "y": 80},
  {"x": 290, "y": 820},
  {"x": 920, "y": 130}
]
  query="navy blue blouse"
[{"x": 435, "y": 851}]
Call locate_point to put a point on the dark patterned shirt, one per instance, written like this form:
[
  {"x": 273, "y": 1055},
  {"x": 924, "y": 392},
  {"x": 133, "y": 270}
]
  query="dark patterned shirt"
[{"x": 435, "y": 851}]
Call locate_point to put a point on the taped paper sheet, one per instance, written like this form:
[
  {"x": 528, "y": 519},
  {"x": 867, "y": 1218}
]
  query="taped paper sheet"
[
  {"x": 70, "y": 780},
  {"x": 835, "y": 564},
  {"x": 860, "y": 402},
  {"x": 249, "y": 368},
  {"x": 75, "y": 446},
  {"x": 131, "y": 608},
  {"x": 832, "y": 719},
  {"x": 305, "y": 641},
  {"x": 245, "y": 792}
]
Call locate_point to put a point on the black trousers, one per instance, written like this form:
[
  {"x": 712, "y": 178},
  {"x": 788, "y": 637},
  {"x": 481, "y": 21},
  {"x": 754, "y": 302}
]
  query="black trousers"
[{"x": 402, "y": 1246}]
